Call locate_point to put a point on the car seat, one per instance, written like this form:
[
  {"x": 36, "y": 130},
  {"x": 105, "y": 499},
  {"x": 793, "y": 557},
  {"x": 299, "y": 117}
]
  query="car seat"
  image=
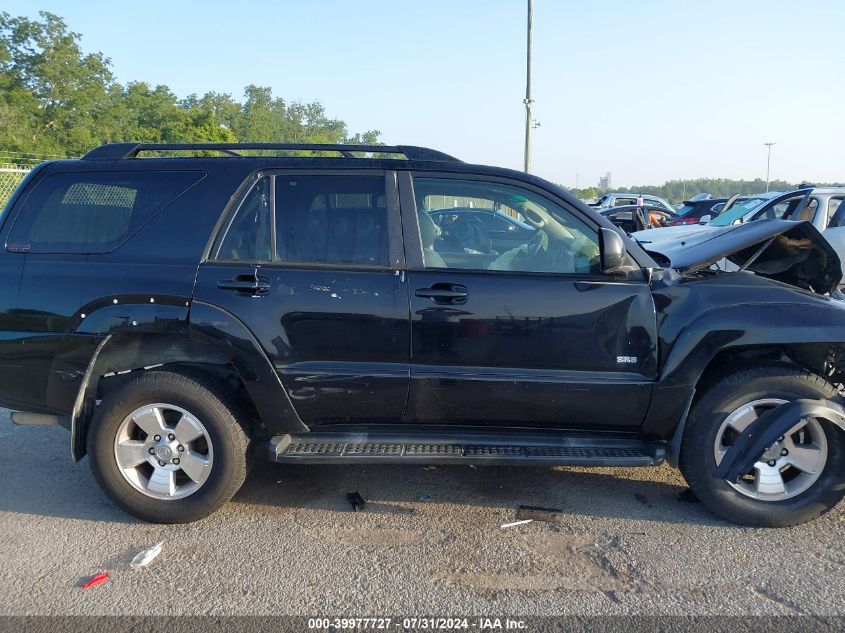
[{"x": 429, "y": 232}]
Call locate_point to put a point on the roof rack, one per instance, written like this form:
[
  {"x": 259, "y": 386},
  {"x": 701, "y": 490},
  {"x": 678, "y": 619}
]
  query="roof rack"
[{"x": 121, "y": 151}]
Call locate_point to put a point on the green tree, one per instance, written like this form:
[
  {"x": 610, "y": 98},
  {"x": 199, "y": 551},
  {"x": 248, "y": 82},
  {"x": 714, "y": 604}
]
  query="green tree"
[
  {"x": 55, "y": 99},
  {"x": 56, "y": 91}
]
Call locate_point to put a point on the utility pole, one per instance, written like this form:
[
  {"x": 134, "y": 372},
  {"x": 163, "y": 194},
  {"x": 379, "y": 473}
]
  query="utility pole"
[
  {"x": 528, "y": 101},
  {"x": 768, "y": 163}
]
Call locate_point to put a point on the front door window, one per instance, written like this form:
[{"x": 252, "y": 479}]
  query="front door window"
[{"x": 455, "y": 216}]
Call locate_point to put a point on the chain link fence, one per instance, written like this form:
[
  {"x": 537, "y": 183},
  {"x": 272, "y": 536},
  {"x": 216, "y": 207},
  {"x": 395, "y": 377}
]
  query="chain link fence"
[
  {"x": 14, "y": 166},
  {"x": 10, "y": 178}
]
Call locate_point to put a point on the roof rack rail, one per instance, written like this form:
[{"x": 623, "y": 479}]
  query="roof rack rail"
[{"x": 121, "y": 151}]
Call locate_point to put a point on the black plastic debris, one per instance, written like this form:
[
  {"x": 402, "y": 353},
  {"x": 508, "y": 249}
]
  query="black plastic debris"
[
  {"x": 688, "y": 496},
  {"x": 356, "y": 501},
  {"x": 535, "y": 513}
]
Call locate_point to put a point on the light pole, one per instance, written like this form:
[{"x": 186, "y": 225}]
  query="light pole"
[
  {"x": 768, "y": 162},
  {"x": 528, "y": 101}
]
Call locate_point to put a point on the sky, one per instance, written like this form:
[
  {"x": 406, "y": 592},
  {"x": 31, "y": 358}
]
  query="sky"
[{"x": 648, "y": 90}]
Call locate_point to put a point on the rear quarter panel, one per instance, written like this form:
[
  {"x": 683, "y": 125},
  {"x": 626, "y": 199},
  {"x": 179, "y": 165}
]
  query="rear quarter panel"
[{"x": 52, "y": 325}]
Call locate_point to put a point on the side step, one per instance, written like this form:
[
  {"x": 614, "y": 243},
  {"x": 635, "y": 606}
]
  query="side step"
[{"x": 384, "y": 448}]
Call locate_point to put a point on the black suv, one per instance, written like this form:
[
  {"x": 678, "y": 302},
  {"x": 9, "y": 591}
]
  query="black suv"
[{"x": 181, "y": 307}]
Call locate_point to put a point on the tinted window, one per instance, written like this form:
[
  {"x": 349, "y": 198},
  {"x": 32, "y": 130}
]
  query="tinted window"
[
  {"x": 332, "y": 220},
  {"x": 559, "y": 243},
  {"x": 248, "y": 236},
  {"x": 93, "y": 212}
]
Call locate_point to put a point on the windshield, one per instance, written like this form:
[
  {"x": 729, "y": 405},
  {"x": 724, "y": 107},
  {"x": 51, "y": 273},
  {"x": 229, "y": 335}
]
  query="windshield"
[{"x": 739, "y": 210}]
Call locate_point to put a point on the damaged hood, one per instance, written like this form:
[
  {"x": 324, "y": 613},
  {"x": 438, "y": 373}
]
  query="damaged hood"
[{"x": 791, "y": 252}]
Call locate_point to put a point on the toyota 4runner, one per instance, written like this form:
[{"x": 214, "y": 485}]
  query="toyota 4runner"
[{"x": 183, "y": 309}]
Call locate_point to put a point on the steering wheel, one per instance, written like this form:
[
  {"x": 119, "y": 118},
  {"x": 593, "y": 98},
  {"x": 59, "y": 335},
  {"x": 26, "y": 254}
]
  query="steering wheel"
[
  {"x": 533, "y": 218},
  {"x": 545, "y": 254}
]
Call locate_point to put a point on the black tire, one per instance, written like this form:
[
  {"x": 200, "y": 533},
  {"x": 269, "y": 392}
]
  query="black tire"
[
  {"x": 213, "y": 403},
  {"x": 697, "y": 460}
]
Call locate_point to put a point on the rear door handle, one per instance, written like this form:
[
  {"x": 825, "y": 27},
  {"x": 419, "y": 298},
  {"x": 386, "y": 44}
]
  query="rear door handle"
[
  {"x": 443, "y": 293},
  {"x": 245, "y": 283}
]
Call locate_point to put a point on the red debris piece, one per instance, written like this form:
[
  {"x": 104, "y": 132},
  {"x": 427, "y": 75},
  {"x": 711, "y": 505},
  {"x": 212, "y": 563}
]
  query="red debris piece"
[{"x": 99, "y": 579}]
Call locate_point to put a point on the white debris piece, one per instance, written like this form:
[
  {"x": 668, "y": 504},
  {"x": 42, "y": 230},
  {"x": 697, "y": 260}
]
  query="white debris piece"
[
  {"x": 515, "y": 523},
  {"x": 144, "y": 558}
]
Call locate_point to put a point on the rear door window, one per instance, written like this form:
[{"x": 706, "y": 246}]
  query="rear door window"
[
  {"x": 331, "y": 220},
  {"x": 93, "y": 212},
  {"x": 248, "y": 237},
  {"x": 311, "y": 219}
]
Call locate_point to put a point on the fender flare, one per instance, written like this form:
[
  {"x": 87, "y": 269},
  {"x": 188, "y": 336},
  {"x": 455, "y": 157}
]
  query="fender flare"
[
  {"x": 209, "y": 328},
  {"x": 730, "y": 327},
  {"x": 210, "y": 323}
]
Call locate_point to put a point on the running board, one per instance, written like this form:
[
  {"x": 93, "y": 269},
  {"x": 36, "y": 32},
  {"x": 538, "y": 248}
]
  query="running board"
[{"x": 383, "y": 448}]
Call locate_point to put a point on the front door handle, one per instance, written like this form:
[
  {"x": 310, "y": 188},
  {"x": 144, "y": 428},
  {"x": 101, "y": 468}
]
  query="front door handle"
[
  {"x": 444, "y": 293},
  {"x": 245, "y": 283}
]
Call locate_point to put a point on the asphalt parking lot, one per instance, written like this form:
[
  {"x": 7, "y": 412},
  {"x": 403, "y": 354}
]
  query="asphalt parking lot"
[{"x": 290, "y": 544}]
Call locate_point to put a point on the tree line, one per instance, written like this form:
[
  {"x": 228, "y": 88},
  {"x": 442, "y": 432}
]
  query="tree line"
[{"x": 57, "y": 100}]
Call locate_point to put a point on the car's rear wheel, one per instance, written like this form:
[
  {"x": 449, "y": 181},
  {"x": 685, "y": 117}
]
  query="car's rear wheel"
[
  {"x": 800, "y": 477},
  {"x": 168, "y": 447}
]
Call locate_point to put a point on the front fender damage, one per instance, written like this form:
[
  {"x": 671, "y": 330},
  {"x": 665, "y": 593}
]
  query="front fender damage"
[{"x": 765, "y": 430}]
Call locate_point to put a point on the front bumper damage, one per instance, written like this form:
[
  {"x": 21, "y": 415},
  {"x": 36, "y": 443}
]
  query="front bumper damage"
[{"x": 753, "y": 442}]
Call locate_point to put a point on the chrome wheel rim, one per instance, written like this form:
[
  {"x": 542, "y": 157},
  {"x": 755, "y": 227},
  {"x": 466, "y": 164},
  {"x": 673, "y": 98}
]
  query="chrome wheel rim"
[
  {"x": 163, "y": 451},
  {"x": 788, "y": 467}
]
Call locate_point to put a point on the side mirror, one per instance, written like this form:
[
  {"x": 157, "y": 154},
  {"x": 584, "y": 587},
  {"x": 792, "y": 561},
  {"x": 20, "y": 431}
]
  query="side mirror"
[
  {"x": 611, "y": 249},
  {"x": 704, "y": 219},
  {"x": 737, "y": 221}
]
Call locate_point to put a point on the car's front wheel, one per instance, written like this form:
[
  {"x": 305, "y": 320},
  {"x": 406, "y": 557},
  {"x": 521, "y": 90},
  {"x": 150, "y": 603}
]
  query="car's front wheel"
[
  {"x": 800, "y": 477},
  {"x": 168, "y": 447}
]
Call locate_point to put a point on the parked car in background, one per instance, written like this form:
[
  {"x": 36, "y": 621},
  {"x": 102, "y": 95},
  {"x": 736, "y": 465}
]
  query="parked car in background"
[
  {"x": 693, "y": 211},
  {"x": 652, "y": 216},
  {"x": 735, "y": 209},
  {"x": 628, "y": 218},
  {"x": 624, "y": 199},
  {"x": 483, "y": 230},
  {"x": 821, "y": 206}
]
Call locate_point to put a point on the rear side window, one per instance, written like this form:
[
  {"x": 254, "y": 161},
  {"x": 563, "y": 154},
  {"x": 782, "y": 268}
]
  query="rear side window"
[{"x": 93, "y": 212}]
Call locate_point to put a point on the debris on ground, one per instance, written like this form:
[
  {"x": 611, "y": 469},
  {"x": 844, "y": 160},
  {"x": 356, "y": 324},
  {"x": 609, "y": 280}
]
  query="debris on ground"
[
  {"x": 99, "y": 579},
  {"x": 425, "y": 497},
  {"x": 536, "y": 513},
  {"x": 356, "y": 501},
  {"x": 688, "y": 496},
  {"x": 515, "y": 523},
  {"x": 429, "y": 467},
  {"x": 144, "y": 558}
]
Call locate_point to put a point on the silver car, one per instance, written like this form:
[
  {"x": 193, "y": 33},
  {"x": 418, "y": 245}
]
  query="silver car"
[{"x": 618, "y": 199}]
